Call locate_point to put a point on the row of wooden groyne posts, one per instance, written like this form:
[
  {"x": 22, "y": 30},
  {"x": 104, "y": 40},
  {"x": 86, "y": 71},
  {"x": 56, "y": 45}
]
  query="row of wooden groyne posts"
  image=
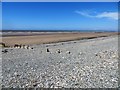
[{"x": 16, "y": 46}]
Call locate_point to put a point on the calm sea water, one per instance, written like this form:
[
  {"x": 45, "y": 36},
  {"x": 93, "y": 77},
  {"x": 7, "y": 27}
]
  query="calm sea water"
[{"x": 59, "y": 31}]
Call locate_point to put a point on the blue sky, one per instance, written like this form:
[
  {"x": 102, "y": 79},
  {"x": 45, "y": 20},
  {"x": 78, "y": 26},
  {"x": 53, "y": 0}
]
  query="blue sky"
[{"x": 60, "y": 15}]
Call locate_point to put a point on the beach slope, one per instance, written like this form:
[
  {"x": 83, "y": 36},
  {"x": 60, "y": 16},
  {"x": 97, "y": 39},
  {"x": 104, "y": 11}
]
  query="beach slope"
[{"x": 91, "y": 63}]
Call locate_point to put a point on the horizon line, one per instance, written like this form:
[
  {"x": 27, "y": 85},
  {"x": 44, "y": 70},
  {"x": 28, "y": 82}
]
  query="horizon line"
[{"x": 65, "y": 30}]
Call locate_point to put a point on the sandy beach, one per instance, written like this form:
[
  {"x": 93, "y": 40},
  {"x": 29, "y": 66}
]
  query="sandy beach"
[
  {"x": 29, "y": 38},
  {"x": 59, "y": 44},
  {"x": 87, "y": 63}
]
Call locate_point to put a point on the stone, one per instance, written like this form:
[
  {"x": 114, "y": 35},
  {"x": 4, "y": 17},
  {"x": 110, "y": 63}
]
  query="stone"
[
  {"x": 16, "y": 46},
  {"x": 35, "y": 84},
  {"x": 68, "y": 52},
  {"x": 96, "y": 54},
  {"x": 114, "y": 56},
  {"x": 58, "y": 51},
  {"x": 2, "y": 44},
  {"x": 48, "y": 50},
  {"x": 5, "y": 51},
  {"x": 80, "y": 53}
]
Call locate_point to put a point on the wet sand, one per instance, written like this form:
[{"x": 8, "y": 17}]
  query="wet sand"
[{"x": 41, "y": 38}]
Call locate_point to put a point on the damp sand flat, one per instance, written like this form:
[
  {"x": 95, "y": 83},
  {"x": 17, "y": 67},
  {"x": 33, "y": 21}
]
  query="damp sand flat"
[{"x": 40, "y": 38}]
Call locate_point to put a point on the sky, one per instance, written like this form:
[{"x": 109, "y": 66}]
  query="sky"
[{"x": 60, "y": 16}]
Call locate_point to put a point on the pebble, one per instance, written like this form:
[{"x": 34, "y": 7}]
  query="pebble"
[
  {"x": 5, "y": 51},
  {"x": 48, "y": 50},
  {"x": 85, "y": 66},
  {"x": 58, "y": 51},
  {"x": 68, "y": 52}
]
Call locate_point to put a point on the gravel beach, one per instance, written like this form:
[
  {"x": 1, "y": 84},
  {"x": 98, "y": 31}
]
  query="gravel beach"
[{"x": 89, "y": 63}]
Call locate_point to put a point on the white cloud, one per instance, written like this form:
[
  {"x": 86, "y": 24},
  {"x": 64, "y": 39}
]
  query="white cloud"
[{"x": 109, "y": 15}]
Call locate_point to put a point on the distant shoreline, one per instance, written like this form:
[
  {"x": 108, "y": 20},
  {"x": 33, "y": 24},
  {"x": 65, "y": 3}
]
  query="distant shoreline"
[
  {"x": 58, "y": 31},
  {"x": 9, "y": 33}
]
